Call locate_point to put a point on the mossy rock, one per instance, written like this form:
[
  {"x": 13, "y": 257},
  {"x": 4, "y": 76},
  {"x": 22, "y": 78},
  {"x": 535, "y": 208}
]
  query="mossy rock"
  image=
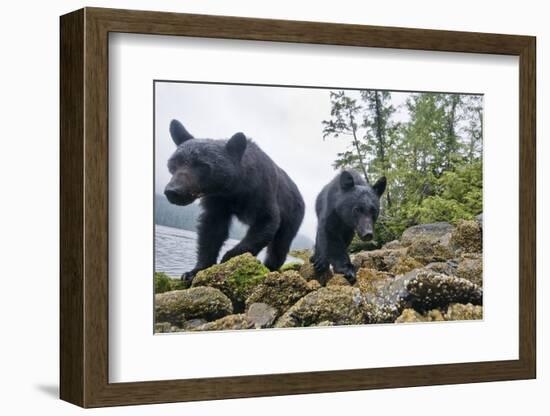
[
  {"x": 279, "y": 290},
  {"x": 196, "y": 303},
  {"x": 236, "y": 278},
  {"x": 165, "y": 283},
  {"x": 229, "y": 322},
  {"x": 341, "y": 305},
  {"x": 410, "y": 315},
  {"x": 404, "y": 265},
  {"x": 294, "y": 266},
  {"x": 461, "y": 312},
  {"x": 467, "y": 237},
  {"x": 303, "y": 254}
]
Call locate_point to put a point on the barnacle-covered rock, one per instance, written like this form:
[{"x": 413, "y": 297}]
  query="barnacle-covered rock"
[{"x": 461, "y": 312}]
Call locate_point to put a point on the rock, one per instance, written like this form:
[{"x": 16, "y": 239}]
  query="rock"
[
  {"x": 303, "y": 254},
  {"x": 460, "y": 312},
  {"x": 199, "y": 302},
  {"x": 279, "y": 290},
  {"x": 262, "y": 315},
  {"x": 392, "y": 245},
  {"x": 471, "y": 268},
  {"x": 425, "y": 232},
  {"x": 236, "y": 278},
  {"x": 192, "y": 324},
  {"x": 238, "y": 321},
  {"x": 162, "y": 327},
  {"x": 295, "y": 266},
  {"x": 426, "y": 252},
  {"x": 342, "y": 305},
  {"x": 448, "y": 267},
  {"x": 429, "y": 290},
  {"x": 313, "y": 285},
  {"x": 404, "y": 265},
  {"x": 371, "y": 280},
  {"x": 382, "y": 259},
  {"x": 324, "y": 323},
  {"x": 338, "y": 280},
  {"x": 467, "y": 237},
  {"x": 479, "y": 219},
  {"x": 410, "y": 315}
]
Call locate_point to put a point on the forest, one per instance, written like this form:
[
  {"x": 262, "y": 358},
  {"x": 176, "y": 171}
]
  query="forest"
[{"x": 429, "y": 147}]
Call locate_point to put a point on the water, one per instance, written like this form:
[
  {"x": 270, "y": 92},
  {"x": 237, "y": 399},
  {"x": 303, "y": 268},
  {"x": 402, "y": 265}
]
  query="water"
[{"x": 176, "y": 250}]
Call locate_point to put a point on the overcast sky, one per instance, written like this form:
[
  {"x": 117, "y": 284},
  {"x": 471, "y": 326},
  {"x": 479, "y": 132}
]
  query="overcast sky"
[{"x": 284, "y": 122}]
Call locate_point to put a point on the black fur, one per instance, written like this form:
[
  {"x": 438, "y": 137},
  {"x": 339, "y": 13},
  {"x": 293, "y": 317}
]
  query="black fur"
[
  {"x": 234, "y": 178},
  {"x": 346, "y": 205}
]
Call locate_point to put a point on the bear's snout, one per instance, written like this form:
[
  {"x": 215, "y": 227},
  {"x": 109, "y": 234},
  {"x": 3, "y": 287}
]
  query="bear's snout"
[{"x": 179, "y": 198}]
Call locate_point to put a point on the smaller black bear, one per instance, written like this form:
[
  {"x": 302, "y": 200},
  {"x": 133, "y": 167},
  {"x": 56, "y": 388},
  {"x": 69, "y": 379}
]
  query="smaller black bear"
[
  {"x": 234, "y": 177},
  {"x": 346, "y": 205}
]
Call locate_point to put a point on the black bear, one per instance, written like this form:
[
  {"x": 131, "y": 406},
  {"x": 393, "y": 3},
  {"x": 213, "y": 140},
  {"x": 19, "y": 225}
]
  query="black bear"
[
  {"x": 346, "y": 205},
  {"x": 234, "y": 177}
]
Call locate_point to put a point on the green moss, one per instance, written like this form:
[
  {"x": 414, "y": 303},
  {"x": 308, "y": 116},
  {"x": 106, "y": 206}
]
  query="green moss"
[
  {"x": 235, "y": 278},
  {"x": 165, "y": 283}
]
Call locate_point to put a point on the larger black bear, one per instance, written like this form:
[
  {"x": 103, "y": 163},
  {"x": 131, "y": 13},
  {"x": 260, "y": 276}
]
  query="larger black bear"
[
  {"x": 346, "y": 205},
  {"x": 234, "y": 177}
]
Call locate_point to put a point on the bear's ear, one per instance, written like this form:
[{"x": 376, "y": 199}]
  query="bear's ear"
[
  {"x": 380, "y": 186},
  {"x": 346, "y": 180},
  {"x": 236, "y": 145},
  {"x": 178, "y": 132}
]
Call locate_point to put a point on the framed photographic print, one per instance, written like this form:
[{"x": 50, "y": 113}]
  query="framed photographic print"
[{"x": 255, "y": 207}]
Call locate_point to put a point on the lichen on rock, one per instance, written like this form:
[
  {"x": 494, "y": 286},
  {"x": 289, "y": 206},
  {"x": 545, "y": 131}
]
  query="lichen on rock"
[
  {"x": 279, "y": 290},
  {"x": 410, "y": 315},
  {"x": 200, "y": 302},
  {"x": 337, "y": 280},
  {"x": 471, "y": 268},
  {"x": 467, "y": 236},
  {"x": 461, "y": 312},
  {"x": 382, "y": 259},
  {"x": 404, "y": 265},
  {"x": 236, "y": 278}
]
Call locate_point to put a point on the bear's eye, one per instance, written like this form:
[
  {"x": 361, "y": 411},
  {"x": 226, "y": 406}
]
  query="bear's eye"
[{"x": 360, "y": 210}]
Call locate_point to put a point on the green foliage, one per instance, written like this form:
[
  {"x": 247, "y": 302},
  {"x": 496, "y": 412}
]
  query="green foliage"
[
  {"x": 430, "y": 155},
  {"x": 165, "y": 283}
]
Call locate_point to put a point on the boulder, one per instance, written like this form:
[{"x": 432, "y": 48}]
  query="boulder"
[
  {"x": 392, "y": 245},
  {"x": 162, "y": 327},
  {"x": 341, "y": 305},
  {"x": 371, "y": 280},
  {"x": 460, "y": 312},
  {"x": 279, "y": 290},
  {"x": 313, "y": 285},
  {"x": 295, "y": 266},
  {"x": 426, "y": 232},
  {"x": 200, "y": 302},
  {"x": 471, "y": 268},
  {"x": 444, "y": 267},
  {"x": 467, "y": 237},
  {"x": 425, "y": 252},
  {"x": 236, "y": 278},
  {"x": 429, "y": 290},
  {"x": 262, "y": 315}
]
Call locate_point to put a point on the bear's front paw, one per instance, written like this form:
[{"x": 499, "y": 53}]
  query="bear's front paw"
[
  {"x": 349, "y": 273},
  {"x": 188, "y": 276},
  {"x": 320, "y": 266}
]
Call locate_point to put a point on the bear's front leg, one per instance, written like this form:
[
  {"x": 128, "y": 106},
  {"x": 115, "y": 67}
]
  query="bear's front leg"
[
  {"x": 258, "y": 236},
  {"x": 213, "y": 230},
  {"x": 320, "y": 259},
  {"x": 339, "y": 258}
]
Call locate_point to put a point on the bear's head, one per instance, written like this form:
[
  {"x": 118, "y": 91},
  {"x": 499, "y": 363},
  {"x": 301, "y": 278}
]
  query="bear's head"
[
  {"x": 202, "y": 167},
  {"x": 360, "y": 203}
]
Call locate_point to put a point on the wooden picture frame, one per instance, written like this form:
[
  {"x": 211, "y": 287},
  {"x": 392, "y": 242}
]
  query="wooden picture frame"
[{"x": 84, "y": 207}]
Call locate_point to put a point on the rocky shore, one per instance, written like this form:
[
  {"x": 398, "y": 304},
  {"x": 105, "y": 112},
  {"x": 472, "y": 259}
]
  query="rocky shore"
[{"x": 433, "y": 273}]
